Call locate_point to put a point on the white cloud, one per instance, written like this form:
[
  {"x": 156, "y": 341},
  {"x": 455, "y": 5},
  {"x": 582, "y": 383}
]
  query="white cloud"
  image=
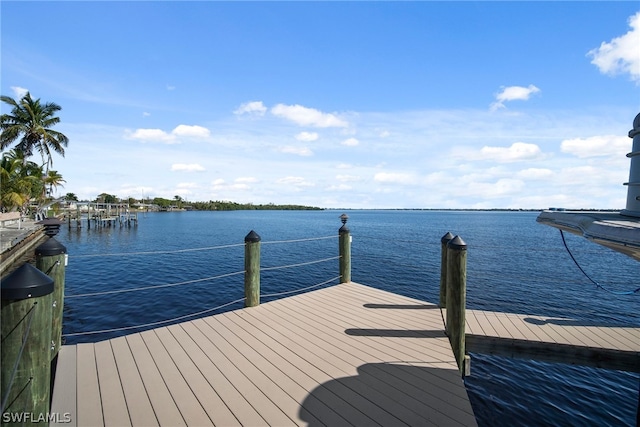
[
  {"x": 535, "y": 173},
  {"x": 307, "y": 136},
  {"x": 597, "y": 146},
  {"x": 513, "y": 93},
  {"x": 518, "y": 151},
  {"x": 296, "y": 181},
  {"x": 339, "y": 187},
  {"x": 300, "y": 151},
  {"x": 252, "y": 107},
  {"x": 19, "y": 92},
  {"x": 152, "y": 135},
  {"x": 170, "y": 87},
  {"x": 187, "y": 167},
  {"x": 145, "y": 114},
  {"x": 347, "y": 178},
  {"x": 184, "y": 131},
  {"x": 304, "y": 116},
  {"x": 246, "y": 180},
  {"x": 622, "y": 54},
  {"x": 500, "y": 188},
  {"x": 351, "y": 142},
  {"x": 191, "y": 131},
  {"x": 394, "y": 178}
]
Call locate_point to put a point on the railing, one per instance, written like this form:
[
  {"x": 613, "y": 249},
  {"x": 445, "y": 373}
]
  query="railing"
[{"x": 252, "y": 273}]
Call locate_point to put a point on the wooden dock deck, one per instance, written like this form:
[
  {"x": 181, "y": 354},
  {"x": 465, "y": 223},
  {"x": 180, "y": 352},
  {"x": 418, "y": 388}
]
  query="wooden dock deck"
[
  {"x": 553, "y": 339},
  {"x": 344, "y": 355}
]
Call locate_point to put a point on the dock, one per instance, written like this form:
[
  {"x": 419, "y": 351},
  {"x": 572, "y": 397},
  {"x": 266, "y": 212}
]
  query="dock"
[{"x": 344, "y": 355}]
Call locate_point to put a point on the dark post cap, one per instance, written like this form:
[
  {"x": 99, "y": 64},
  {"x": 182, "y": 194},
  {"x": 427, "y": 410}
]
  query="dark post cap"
[
  {"x": 636, "y": 127},
  {"x": 50, "y": 248},
  {"x": 446, "y": 238},
  {"x": 51, "y": 226},
  {"x": 26, "y": 282},
  {"x": 344, "y": 228},
  {"x": 252, "y": 237},
  {"x": 457, "y": 243}
]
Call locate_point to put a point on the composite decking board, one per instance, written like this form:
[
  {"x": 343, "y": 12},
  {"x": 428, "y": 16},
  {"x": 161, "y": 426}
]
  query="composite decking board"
[
  {"x": 362, "y": 350},
  {"x": 481, "y": 318},
  {"x": 164, "y": 406},
  {"x": 317, "y": 377},
  {"x": 138, "y": 404},
  {"x": 185, "y": 400},
  {"x": 197, "y": 345},
  {"x": 526, "y": 329},
  {"x": 243, "y": 374},
  {"x": 89, "y": 405},
  {"x": 411, "y": 383},
  {"x": 309, "y": 349},
  {"x": 215, "y": 408},
  {"x": 434, "y": 381},
  {"x": 355, "y": 351},
  {"x": 285, "y": 410},
  {"x": 372, "y": 323},
  {"x": 291, "y": 378},
  {"x": 114, "y": 407},
  {"x": 360, "y": 313},
  {"x": 629, "y": 336},
  {"x": 64, "y": 391}
]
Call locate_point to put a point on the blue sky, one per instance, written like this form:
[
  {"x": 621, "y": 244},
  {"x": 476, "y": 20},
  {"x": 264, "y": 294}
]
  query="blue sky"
[{"x": 336, "y": 104}]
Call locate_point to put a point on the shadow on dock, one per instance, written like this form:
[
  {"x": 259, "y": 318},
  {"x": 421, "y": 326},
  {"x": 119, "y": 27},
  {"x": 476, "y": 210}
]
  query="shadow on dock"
[
  {"x": 402, "y": 306},
  {"x": 370, "y": 406}
]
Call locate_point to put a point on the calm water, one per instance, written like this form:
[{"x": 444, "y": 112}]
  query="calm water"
[{"x": 514, "y": 265}]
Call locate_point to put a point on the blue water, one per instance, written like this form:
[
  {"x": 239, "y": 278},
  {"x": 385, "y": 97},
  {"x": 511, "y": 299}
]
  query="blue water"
[{"x": 514, "y": 265}]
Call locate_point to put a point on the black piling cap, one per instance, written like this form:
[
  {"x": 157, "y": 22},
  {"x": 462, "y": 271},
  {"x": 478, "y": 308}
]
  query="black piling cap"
[
  {"x": 636, "y": 127},
  {"x": 51, "y": 226},
  {"x": 457, "y": 243},
  {"x": 446, "y": 238},
  {"x": 26, "y": 282},
  {"x": 344, "y": 229},
  {"x": 252, "y": 237},
  {"x": 50, "y": 248}
]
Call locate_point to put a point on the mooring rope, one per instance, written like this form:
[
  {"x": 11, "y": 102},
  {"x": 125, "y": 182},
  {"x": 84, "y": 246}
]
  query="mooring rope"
[
  {"x": 299, "y": 264},
  {"x": 175, "y": 319},
  {"x": 119, "y": 291},
  {"x": 598, "y": 285},
  {"x": 300, "y": 290}
]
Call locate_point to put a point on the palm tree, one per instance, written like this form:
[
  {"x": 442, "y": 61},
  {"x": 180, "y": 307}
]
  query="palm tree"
[
  {"x": 19, "y": 181},
  {"x": 30, "y": 124},
  {"x": 54, "y": 180}
]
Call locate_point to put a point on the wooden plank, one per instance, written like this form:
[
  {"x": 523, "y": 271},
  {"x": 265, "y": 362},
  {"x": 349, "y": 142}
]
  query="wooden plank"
[
  {"x": 164, "y": 406},
  {"x": 191, "y": 339},
  {"x": 351, "y": 354},
  {"x": 88, "y": 391},
  {"x": 203, "y": 390},
  {"x": 63, "y": 400},
  {"x": 273, "y": 404},
  {"x": 187, "y": 403},
  {"x": 138, "y": 403},
  {"x": 391, "y": 393},
  {"x": 114, "y": 407},
  {"x": 292, "y": 378}
]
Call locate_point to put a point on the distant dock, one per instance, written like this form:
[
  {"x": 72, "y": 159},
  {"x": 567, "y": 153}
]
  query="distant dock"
[{"x": 101, "y": 215}]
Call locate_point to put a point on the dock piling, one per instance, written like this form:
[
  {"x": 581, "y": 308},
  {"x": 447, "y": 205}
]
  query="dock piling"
[
  {"x": 443, "y": 268},
  {"x": 252, "y": 269},
  {"x": 51, "y": 259},
  {"x": 456, "y": 298},
  {"x": 345, "y": 250},
  {"x": 26, "y": 337}
]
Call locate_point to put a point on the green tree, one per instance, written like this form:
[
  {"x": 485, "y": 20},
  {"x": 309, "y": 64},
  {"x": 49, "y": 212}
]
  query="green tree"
[
  {"x": 71, "y": 197},
  {"x": 20, "y": 181},
  {"x": 30, "y": 123},
  {"x": 54, "y": 180}
]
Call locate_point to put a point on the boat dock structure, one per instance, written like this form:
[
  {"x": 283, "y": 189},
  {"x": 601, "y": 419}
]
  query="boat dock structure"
[
  {"x": 348, "y": 354},
  {"x": 345, "y": 354}
]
